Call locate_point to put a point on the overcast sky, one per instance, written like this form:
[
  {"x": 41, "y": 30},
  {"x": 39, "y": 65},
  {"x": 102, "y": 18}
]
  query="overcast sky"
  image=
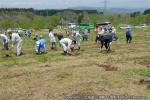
[{"x": 61, "y": 4}]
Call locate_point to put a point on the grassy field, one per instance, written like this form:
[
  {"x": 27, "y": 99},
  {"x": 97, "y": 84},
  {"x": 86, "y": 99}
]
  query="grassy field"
[{"x": 123, "y": 71}]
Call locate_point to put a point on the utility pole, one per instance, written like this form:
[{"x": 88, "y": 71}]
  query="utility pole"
[
  {"x": 47, "y": 13},
  {"x": 105, "y": 6}
]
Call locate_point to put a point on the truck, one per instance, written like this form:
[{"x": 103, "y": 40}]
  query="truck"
[{"x": 88, "y": 26}]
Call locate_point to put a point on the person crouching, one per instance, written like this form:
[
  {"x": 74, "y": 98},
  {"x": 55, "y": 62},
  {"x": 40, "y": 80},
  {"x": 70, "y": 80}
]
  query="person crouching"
[
  {"x": 5, "y": 41},
  {"x": 66, "y": 44},
  {"x": 40, "y": 45}
]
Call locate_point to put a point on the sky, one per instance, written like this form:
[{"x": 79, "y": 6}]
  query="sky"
[{"x": 63, "y": 4}]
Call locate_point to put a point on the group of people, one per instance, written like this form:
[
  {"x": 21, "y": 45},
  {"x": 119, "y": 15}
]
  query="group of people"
[
  {"x": 16, "y": 39},
  {"x": 67, "y": 44},
  {"x": 40, "y": 44},
  {"x": 102, "y": 30}
]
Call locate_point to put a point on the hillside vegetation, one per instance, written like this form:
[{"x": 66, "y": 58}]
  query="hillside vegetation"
[{"x": 37, "y": 19}]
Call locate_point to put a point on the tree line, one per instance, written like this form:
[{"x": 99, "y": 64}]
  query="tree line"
[
  {"x": 45, "y": 12},
  {"x": 31, "y": 18}
]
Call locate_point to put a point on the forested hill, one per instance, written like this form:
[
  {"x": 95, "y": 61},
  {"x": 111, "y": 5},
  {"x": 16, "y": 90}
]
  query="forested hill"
[
  {"x": 31, "y": 18},
  {"x": 45, "y": 12}
]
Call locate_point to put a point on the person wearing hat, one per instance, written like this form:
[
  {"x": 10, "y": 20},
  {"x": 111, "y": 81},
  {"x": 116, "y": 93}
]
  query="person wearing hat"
[
  {"x": 40, "y": 45},
  {"x": 16, "y": 39}
]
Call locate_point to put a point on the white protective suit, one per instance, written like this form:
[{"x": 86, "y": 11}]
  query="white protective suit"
[
  {"x": 77, "y": 38},
  {"x": 66, "y": 44},
  {"x": 5, "y": 40},
  {"x": 16, "y": 39}
]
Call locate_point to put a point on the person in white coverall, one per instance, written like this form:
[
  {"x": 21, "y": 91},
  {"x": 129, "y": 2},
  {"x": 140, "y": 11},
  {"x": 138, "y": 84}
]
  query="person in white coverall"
[
  {"x": 66, "y": 43},
  {"x": 16, "y": 39},
  {"x": 5, "y": 41},
  {"x": 77, "y": 39},
  {"x": 114, "y": 34}
]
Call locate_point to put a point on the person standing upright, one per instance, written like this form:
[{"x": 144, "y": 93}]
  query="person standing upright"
[
  {"x": 99, "y": 33},
  {"x": 85, "y": 35},
  {"x": 128, "y": 35},
  {"x": 77, "y": 39},
  {"x": 52, "y": 39},
  {"x": 16, "y": 39}
]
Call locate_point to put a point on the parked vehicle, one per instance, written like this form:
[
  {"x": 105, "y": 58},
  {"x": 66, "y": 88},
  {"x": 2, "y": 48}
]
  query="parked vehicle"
[
  {"x": 20, "y": 31},
  {"x": 71, "y": 25},
  {"x": 88, "y": 26},
  {"x": 141, "y": 26},
  {"x": 106, "y": 26},
  {"x": 124, "y": 26}
]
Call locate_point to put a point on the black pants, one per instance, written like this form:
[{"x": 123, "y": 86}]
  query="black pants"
[
  {"x": 85, "y": 38},
  {"x": 97, "y": 38},
  {"x": 128, "y": 38},
  {"x": 53, "y": 45},
  {"x": 5, "y": 45}
]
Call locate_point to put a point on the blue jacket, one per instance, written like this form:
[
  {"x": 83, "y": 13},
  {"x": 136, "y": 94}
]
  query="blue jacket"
[
  {"x": 40, "y": 45},
  {"x": 42, "y": 42},
  {"x": 128, "y": 33}
]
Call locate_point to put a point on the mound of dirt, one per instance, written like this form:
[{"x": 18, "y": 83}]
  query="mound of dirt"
[
  {"x": 148, "y": 87},
  {"x": 145, "y": 63},
  {"x": 107, "y": 67},
  {"x": 75, "y": 54},
  {"x": 47, "y": 65},
  {"x": 71, "y": 54},
  {"x": 144, "y": 82},
  {"x": 84, "y": 93},
  {"x": 63, "y": 75}
]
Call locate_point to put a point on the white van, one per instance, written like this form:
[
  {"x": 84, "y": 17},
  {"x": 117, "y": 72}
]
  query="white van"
[{"x": 71, "y": 25}]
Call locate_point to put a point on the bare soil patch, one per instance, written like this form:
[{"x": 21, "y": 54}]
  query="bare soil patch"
[
  {"x": 46, "y": 65},
  {"x": 91, "y": 63},
  {"x": 144, "y": 82},
  {"x": 145, "y": 63},
  {"x": 107, "y": 67}
]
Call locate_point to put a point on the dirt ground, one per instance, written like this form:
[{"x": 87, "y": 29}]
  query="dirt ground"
[{"x": 52, "y": 76}]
